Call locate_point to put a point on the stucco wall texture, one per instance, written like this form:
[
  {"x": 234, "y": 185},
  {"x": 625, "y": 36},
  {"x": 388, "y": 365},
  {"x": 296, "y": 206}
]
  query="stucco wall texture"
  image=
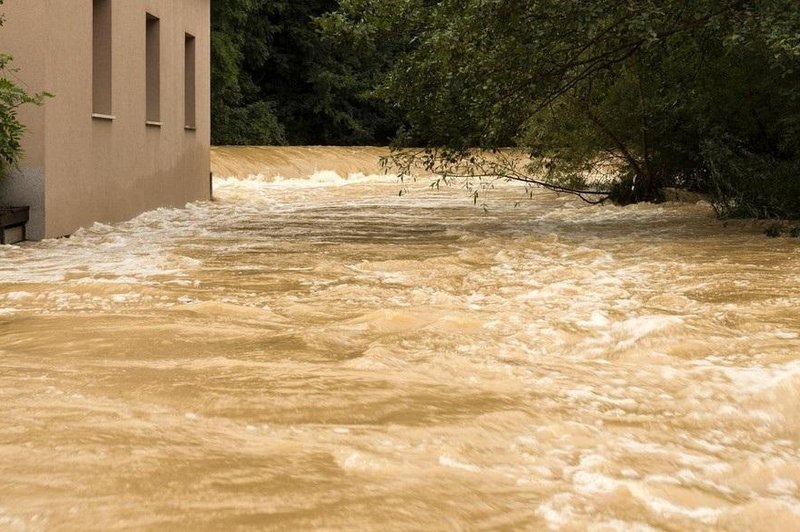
[{"x": 94, "y": 169}]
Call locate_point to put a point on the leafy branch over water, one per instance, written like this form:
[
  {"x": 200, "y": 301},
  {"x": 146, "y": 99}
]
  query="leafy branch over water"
[
  {"x": 477, "y": 169},
  {"x": 698, "y": 95}
]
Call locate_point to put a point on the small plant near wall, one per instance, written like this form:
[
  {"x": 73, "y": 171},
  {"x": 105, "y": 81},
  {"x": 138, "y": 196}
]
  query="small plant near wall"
[{"x": 12, "y": 97}]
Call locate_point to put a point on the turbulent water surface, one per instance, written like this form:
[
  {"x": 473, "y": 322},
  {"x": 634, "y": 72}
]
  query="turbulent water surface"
[{"x": 320, "y": 352}]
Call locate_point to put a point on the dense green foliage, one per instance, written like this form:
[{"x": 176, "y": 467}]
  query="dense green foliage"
[
  {"x": 616, "y": 97},
  {"x": 276, "y": 78},
  {"x": 652, "y": 93},
  {"x": 12, "y": 97},
  {"x": 239, "y": 42}
]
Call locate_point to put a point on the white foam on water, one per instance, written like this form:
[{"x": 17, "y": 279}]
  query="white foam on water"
[
  {"x": 783, "y": 486},
  {"x": 18, "y": 296},
  {"x": 758, "y": 380},
  {"x": 620, "y": 526},
  {"x": 590, "y": 483},
  {"x": 669, "y": 510},
  {"x": 557, "y": 511},
  {"x": 319, "y": 179},
  {"x": 448, "y": 461},
  {"x": 636, "y": 328},
  {"x": 357, "y": 461},
  {"x": 12, "y": 523},
  {"x": 327, "y": 302}
]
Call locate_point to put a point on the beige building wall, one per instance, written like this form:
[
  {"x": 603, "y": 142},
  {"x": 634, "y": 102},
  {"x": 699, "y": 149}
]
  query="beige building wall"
[{"x": 99, "y": 169}]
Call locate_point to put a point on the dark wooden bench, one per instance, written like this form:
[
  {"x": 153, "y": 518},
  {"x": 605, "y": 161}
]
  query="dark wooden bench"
[{"x": 12, "y": 224}]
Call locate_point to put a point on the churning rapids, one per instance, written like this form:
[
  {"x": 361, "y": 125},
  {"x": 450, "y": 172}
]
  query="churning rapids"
[{"x": 319, "y": 352}]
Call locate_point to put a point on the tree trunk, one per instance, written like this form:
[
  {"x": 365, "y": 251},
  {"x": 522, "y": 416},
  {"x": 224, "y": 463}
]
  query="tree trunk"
[
  {"x": 642, "y": 186},
  {"x": 645, "y": 188}
]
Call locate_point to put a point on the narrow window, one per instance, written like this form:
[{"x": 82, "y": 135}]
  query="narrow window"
[
  {"x": 189, "y": 83},
  {"x": 101, "y": 58},
  {"x": 153, "y": 70}
]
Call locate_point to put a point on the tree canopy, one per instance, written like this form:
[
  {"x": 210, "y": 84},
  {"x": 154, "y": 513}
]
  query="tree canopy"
[
  {"x": 277, "y": 78},
  {"x": 697, "y": 94}
]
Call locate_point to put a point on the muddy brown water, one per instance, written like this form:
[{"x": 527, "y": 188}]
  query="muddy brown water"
[{"x": 318, "y": 352}]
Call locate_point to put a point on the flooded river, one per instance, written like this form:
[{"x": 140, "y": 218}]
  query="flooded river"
[{"x": 317, "y": 351}]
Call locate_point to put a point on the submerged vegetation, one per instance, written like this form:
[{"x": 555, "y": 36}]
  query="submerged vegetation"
[{"x": 609, "y": 99}]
